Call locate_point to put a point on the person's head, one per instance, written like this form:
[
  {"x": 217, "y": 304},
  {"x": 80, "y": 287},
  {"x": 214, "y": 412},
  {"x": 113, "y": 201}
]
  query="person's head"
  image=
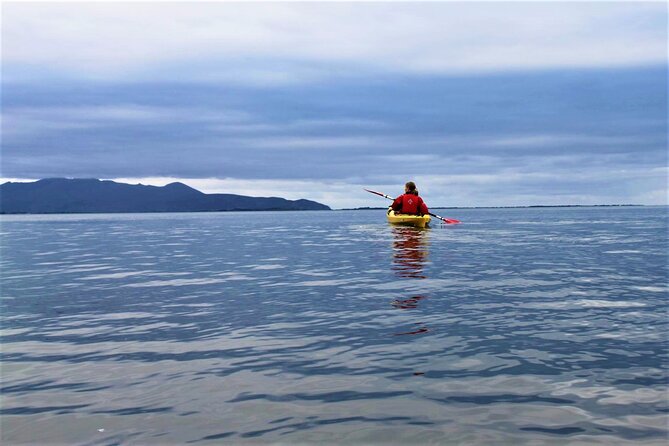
[{"x": 410, "y": 188}]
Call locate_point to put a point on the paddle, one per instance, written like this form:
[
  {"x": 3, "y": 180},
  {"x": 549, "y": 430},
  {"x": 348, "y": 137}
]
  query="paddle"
[{"x": 450, "y": 221}]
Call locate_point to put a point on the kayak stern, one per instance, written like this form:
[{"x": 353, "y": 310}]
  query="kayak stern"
[{"x": 418, "y": 221}]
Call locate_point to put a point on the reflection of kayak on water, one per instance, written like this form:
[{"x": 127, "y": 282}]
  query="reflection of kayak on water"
[
  {"x": 407, "y": 304},
  {"x": 410, "y": 255},
  {"x": 410, "y": 251},
  {"x": 418, "y": 221}
]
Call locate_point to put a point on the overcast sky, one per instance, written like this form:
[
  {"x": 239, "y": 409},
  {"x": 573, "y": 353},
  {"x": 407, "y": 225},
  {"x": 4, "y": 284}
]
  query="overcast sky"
[{"x": 479, "y": 103}]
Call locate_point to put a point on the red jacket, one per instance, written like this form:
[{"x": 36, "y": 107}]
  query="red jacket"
[{"x": 410, "y": 204}]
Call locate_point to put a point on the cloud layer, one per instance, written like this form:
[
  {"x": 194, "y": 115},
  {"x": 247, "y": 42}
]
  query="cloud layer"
[
  {"x": 482, "y": 104},
  {"x": 290, "y": 42}
]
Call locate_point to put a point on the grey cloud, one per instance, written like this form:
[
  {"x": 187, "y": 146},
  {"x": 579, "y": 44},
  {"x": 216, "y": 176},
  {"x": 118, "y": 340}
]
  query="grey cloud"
[
  {"x": 529, "y": 128},
  {"x": 227, "y": 42}
]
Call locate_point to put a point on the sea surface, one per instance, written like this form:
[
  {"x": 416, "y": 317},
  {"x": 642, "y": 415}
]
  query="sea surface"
[{"x": 518, "y": 326}]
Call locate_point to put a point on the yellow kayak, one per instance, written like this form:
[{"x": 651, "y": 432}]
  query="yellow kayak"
[{"x": 419, "y": 221}]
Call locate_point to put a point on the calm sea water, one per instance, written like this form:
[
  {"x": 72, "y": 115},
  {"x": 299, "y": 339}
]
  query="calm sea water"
[{"x": 520, "y": 326}]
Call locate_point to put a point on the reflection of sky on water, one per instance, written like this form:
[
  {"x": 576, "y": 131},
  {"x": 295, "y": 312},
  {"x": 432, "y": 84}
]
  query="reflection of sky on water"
[{"x": 524, "y": 330}]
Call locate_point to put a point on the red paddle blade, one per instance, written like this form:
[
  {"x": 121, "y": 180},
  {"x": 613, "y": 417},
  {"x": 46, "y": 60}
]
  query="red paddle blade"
[
  {"x": 451, "y": 221},
  {"x": 448, "y": 221}
]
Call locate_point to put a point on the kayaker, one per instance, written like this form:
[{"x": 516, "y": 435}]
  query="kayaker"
[{"x": 409, "y": 202}]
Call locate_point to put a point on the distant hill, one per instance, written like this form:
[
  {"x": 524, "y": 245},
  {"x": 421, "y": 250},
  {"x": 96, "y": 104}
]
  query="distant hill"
[{"x": 60, "y": 195}]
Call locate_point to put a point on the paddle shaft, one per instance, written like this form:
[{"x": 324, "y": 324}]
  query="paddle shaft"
[{"x": 450, "y": 221}]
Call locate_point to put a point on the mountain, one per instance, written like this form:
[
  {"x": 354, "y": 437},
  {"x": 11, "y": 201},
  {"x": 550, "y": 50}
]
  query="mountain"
[{"x": 61, "y": 195}]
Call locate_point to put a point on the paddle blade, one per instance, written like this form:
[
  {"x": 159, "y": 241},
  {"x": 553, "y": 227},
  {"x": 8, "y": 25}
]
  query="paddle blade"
[{"x": 448, "y": 221}]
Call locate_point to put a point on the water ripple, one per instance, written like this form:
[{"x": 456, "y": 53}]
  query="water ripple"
[{"x": 526, "y": 326}]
